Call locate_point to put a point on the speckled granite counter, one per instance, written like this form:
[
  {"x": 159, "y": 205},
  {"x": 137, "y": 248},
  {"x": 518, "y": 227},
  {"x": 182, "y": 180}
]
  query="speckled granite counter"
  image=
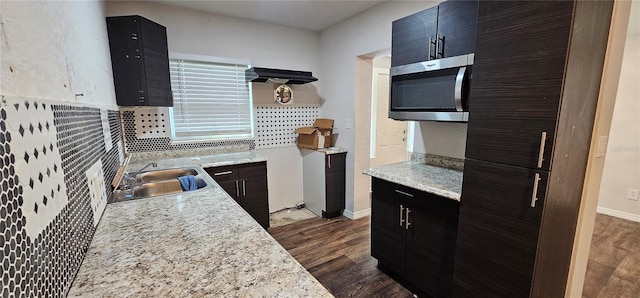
[
  {"x": 440, "y": 181},
  {"x": 332, "y": 150},
  {"x": 205, "y": 161},
  {"x": 200, "y": 243}
]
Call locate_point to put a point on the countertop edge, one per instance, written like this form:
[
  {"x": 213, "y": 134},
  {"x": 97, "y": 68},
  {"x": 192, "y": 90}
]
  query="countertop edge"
[{"x": 377, "y": 173}]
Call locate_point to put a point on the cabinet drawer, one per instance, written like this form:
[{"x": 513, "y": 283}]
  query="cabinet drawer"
[
  {"x": 249, "y": 170},
  {"x": 224, "y": 173},
  {"x": 395, "y": 191}
]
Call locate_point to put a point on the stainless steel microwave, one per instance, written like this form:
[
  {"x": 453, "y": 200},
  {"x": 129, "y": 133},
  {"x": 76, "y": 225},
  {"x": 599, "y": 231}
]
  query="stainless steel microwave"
[{"x": 431, "y": 90}]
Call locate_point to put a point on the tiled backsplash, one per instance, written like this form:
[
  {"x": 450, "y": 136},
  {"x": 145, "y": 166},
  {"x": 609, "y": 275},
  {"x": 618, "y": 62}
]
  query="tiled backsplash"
[
  {"x": 56, "y": 175},
  {"x": 439, "y": 161},
  {"x": 276, "y": 125},
  {"x": 147, "y": 129},
  {"x": 138, "y": 143}
]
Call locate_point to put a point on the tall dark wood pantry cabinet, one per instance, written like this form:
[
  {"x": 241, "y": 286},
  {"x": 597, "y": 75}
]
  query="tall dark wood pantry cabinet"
[
  {"x": 140, "y": 61},
  {"x": 537, "y": 72}
]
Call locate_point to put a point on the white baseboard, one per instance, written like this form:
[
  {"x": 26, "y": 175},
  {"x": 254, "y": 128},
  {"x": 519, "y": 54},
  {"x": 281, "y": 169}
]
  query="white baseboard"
[
  {"x": 619, "y": 214},
  {"x": 358, "y": 214}
]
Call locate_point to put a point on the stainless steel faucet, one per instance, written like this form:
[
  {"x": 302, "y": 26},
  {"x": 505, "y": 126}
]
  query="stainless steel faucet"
[{"x": 129, "y": 178}]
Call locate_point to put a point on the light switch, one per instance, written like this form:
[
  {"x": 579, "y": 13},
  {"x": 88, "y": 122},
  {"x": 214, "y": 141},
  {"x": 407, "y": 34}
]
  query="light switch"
[
  {"x": 602, "y": 146},
  {"x": 349, "y": 123}
]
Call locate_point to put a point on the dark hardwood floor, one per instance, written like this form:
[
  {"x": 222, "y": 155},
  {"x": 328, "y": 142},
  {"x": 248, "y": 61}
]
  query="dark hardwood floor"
[
  {"x": 613, "y": 269},
  {"x": 337, "y": 253}
]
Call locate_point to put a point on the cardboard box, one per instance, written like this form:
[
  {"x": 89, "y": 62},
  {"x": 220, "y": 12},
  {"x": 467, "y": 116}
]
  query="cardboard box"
[{"x": 317, "y": 136}]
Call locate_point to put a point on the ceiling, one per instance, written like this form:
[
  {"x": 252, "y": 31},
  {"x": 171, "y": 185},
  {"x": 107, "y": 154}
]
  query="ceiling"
[{"x": 314, "y": 15}]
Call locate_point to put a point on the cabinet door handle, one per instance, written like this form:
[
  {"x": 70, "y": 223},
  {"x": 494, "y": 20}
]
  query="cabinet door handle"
[
  {"x": 329, "y": 157},
  {"x": 404, "y": 193},
  {"x": 223, "y": 173},
  {"x": 433, "y": 43},
  {"x": 406, "y": 226},
  {"x": 440, "y": 42},
  {"x": 401, "y": 215},
  {"x": 237, "y": 190},
  {"x": 543, "y": 142},
  {"x": 244, "y": 188},
  {"x": 534, "y": 195}
]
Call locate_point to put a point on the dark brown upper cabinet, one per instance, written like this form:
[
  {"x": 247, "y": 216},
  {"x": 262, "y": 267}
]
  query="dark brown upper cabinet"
[
  {"x": 446, "y": 30},
  {"x": 140, "y": 61},
  {"x": 537, "y": 72}
]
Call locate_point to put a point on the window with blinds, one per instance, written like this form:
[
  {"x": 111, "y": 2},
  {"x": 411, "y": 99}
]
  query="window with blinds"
[{"x": 212, "y": 100}]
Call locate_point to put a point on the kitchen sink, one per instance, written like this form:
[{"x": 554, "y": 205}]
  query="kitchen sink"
[
  {"x": 162, "y": 175},
  {"x": 158, "y": 183},
  {"x": 153, "y": 189}
]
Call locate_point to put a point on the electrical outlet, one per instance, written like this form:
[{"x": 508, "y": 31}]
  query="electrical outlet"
[{"x": 632, "y": 194}]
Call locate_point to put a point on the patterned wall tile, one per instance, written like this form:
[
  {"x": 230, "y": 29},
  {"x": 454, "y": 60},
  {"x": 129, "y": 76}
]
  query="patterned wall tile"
[
  {"x": 276, "y": 125},
  {"x": 150, "y": 144},
  {"x": 97, "y": 190},
  {"x": 13, "y": 236},
  {"x": 38, "y": 162},
  {"x": 152, "y": 122},
  {"x": 106, "y": 130},
  {"x": 45, "y": 264}
]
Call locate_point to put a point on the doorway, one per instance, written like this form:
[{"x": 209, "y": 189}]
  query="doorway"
[{"x": 388, "y": 136}]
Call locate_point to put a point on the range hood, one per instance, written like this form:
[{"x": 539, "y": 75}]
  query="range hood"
[{"x": 280, "y": 76}]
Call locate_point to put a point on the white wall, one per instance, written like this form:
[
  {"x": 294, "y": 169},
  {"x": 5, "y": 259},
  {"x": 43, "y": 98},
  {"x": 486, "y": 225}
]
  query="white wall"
[
  {"x": 622, "y": 161},
  {"x": 367, "y": 32},
  {"x": 201, "y": 33},
  {"x": 56, "y": 49},
  {"x": 265, "y": 45},
  {"x": 440, "y": 138}
]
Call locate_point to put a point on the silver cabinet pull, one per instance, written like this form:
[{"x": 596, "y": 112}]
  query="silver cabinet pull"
[
  {"x": 244, "y": 188},
  {"x": 543, "y": 142},
  {"x": 401, "y": 215},
  {"x": 237, "y": 190},
  {"x": 457, "y": 96},
  {"x": 534, "y": 195},
  {"x": 223, "y": 173},
  {"x": 329, "y": 157},
  {"x": 406, "y": 226},
  {"x": 404, "y": 193}
]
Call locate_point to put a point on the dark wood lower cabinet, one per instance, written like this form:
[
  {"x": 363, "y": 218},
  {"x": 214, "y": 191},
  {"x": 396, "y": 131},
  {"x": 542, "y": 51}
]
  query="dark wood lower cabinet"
[
  {"x": 387, "y": 233},
  {"x": 413, "y": 235},
  {"x": 247, "y": 184}
]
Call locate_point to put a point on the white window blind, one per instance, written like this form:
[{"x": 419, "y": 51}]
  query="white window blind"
[{"x": 212, "y": 100}]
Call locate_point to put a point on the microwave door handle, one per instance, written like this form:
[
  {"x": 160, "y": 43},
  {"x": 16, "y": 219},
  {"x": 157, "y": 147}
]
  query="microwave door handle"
[{"x": 458, "y": 88}]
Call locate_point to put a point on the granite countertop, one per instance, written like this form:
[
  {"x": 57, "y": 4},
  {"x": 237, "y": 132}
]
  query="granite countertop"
[
  {"x": 200, "y": 243},
  {"x": 332, "y": 150},
  {"x": 204, "y": 161},
  {"x": 443, "y": 182}
]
